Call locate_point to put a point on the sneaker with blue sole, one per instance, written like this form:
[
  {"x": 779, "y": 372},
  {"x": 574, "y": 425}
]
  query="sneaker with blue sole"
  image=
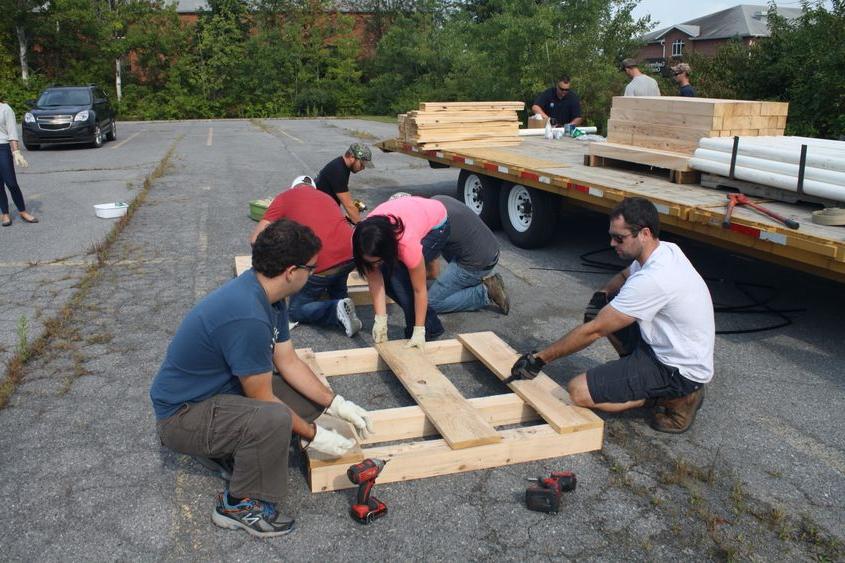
[{"x": 258, "y": 518}]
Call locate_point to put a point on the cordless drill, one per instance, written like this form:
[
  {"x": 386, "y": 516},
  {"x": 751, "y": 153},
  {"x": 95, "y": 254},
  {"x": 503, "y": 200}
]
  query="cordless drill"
[
  {"x": 366, "y": 508},
  {"x": 545, "y": 496}
]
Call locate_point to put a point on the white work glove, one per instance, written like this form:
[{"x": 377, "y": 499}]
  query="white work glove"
[
  {"x": 19, "y": 159},
  {"x": 380, "y": 329},
  {"x": 329, "y": 442},
  {"x": 417, "y": 338},
  {"x": 352, "y": 413}
]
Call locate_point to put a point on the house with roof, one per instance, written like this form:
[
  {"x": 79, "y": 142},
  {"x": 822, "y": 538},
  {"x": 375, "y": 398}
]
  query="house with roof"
[{"x": 704, "y": 35}]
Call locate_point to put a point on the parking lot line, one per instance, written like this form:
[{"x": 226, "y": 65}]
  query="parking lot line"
[
  {"x": 286, "y": 134},
  {"x": 127, "y": 139},
  {"x": 210, "y": 139}
]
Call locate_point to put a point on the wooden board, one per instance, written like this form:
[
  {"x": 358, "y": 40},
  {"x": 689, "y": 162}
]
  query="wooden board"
[
  {"x": 472, "y": 106},
  {"x": 433, "y": 458},
  {"x": 455, "y": 419},
  {"x": 550, "y": 400},
  {"x": 365, "y": 360},
  {"x": 649, "y": 157}
]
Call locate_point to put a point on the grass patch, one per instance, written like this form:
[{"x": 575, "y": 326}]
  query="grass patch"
[
  {"x": 22, "y": 346},
  {"x": 364, "y": 135},
  {"x": 379, "y": 118},
  {"x": 58, "y": 326}
]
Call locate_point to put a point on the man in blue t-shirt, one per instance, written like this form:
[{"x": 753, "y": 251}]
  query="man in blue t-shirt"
[{"x": 216, "y": 397}]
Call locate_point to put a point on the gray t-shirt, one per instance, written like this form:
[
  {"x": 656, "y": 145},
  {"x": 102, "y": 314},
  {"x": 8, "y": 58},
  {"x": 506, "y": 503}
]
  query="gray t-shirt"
[
  {"x": 471, "y": 243},
  {"x": 642, "y": 85}
]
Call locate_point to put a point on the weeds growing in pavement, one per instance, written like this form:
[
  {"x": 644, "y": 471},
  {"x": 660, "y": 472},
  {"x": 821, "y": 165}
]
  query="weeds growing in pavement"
[
  {"x": 22, "y": 347},
  {"x": 58, "y": 325}
]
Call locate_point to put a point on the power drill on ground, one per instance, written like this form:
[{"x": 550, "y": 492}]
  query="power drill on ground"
[
  {"x": 366, "y": 508},
  {"x": 545, "y": 496}
]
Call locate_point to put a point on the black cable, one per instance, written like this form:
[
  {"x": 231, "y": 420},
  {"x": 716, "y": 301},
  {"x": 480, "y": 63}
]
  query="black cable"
[{"x": 755, "y": 306}]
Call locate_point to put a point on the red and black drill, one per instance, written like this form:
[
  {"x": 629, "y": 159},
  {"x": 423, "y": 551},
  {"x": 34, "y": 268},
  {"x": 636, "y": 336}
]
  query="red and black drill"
[
  {"x": 366, "y": 508},
  {"x": 545, "y": 495}
]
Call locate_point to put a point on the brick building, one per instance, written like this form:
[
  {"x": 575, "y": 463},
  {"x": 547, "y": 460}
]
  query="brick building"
[{"x": 704, "y": 35}]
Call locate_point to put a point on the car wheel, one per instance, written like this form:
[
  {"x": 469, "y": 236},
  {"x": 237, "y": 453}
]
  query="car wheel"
[
  {"x": 481, "y": 194},
  {"x": 529, "y": 216},
  {"x": 31, "y": 147},
  {"x": 112, "y": 134},
  {"x": 98, "y": 138}
]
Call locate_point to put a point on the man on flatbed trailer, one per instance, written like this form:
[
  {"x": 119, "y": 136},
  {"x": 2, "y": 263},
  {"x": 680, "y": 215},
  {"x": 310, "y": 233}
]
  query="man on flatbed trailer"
[
  {"x": 658, "y": 315},
  {"x": 559, "y": 103}
]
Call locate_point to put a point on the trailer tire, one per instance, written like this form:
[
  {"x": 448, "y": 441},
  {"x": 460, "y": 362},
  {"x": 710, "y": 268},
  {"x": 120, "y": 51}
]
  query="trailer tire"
[
  {"x": 481, "y": 194},
  {"x": 529, "y": 216}
]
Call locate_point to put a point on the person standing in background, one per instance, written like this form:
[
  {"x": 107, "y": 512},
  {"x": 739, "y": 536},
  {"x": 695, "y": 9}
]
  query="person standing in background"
[
  {"x": 640, "y": 84},
  {"x": 680, "y": 72},
  {"x": 10, "y": 156}
]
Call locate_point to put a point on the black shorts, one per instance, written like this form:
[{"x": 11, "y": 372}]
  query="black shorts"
[{"x": 639, "y": 375}]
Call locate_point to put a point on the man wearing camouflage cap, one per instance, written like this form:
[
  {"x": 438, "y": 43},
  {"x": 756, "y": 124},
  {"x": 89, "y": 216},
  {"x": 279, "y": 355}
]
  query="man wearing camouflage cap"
[{"x": 333, "y": 179}]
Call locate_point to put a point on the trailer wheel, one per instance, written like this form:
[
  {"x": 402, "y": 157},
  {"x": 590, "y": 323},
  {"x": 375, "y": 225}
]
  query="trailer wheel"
[
  {"x": 529, "y": 216},
  {"x": 481, "y": 194}
]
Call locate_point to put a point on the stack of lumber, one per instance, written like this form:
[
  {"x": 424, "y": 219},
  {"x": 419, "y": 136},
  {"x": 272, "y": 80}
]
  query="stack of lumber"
[
  {"x": 456, "y": 125},
  {"x": 676, "y": 124},
  {"x": 664, "y": 131}
]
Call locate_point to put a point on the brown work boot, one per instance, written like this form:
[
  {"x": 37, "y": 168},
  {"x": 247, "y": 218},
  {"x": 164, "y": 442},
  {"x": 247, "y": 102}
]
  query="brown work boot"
[
  {"x": 496, "y": 292},
  {"x": 678, "y": 414}
]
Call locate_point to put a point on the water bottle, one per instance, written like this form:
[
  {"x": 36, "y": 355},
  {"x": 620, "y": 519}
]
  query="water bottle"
[{"x": 549, "y": 130}]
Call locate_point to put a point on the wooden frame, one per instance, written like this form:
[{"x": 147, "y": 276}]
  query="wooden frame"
[{"x": 561, "y": 429}]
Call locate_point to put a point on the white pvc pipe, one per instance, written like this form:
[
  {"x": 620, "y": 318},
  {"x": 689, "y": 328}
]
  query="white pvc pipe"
[
  {"x": 820, "y": 174},
  {"x": 541, "y": 132},
  {"x": 811, "y": 187},
  {"x": 788, "y": 152}
]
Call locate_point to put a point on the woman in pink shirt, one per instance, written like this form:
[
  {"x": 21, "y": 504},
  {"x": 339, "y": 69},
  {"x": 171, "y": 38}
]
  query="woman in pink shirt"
[{"x": 394, "y": 243}]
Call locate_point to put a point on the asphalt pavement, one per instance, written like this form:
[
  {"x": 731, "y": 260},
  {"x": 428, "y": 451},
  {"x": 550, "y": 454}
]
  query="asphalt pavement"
[{"x": 761, "y": 475}]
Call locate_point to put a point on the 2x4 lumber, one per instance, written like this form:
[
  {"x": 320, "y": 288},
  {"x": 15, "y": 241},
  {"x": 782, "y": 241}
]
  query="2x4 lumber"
[
  {"x": 329, "y": 422},
  {"x": 432, "y": 458},
  {"x": 653, "y": 130},
  {"x": 472, "y": 106},
  {"x": 459, "y": 424},
  {"x": 366, "y": 360},
  {"x": 649, "y": 157},
  {"x": 407, "y": 423},
  {"x": 494, "y": 142},
  {"x": 708, "y": 122},
  {"x": 550, "y": 400}
]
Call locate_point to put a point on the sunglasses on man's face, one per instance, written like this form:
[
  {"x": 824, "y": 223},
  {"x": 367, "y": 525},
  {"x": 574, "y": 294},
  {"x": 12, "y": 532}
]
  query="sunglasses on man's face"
[
  {"x": 562, "y": 89},
  {"x": 620, "y": 238},
  {"x": 309, "y": 267}
]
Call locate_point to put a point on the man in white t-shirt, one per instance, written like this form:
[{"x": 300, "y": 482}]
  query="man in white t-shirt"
[
  {"x": 658, "y": 315},
  {"x": 640, "y": 84}
]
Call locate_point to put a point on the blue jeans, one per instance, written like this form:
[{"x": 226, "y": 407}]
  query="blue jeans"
[
  {"x": 458, "y": 289},
  {"x": 307, "y": 307},
  {"x": 7, "y": 177},
  {"x": 399, "y": 288}
]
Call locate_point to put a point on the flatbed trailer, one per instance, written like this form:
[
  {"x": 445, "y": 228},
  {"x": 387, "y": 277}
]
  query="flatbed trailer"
[{"x": 523, "y": 187}]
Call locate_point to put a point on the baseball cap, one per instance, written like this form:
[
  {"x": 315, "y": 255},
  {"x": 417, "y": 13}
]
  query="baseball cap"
[
  {"x": 308, "y": 180},
  {"x": 363, "y": 153},
  {"x": 629, "y": 63}
]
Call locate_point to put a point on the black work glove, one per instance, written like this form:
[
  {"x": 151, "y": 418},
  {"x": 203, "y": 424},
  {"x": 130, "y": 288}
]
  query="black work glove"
[
  {"x": 527, "y": 366},
  {"x": 595, "y": 305}
]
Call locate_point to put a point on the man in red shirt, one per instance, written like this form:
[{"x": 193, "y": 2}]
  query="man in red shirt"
[{"x": 318, "y": 211}]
